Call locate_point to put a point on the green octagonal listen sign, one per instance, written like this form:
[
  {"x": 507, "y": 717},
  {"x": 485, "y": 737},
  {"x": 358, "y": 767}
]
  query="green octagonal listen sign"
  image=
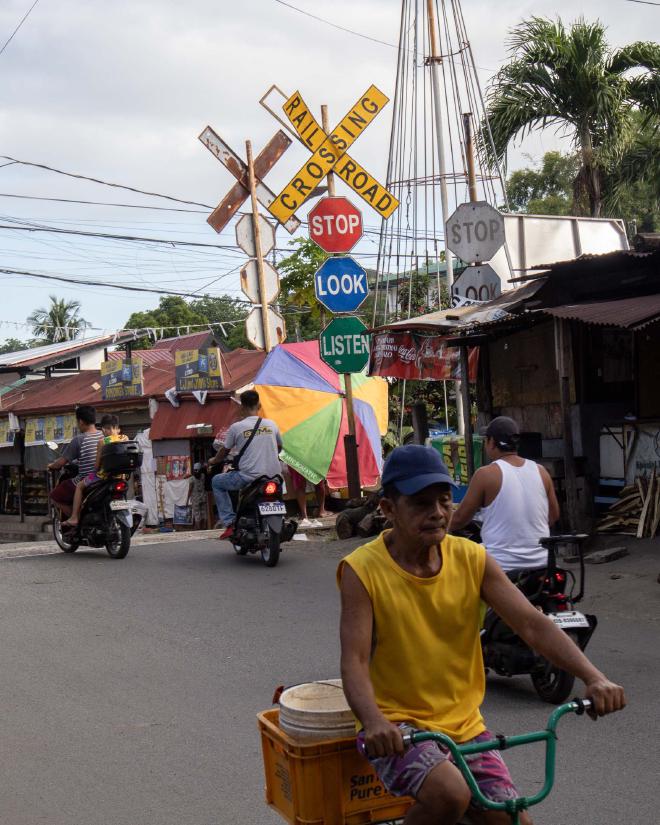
[{"x": 344, "y": 344}]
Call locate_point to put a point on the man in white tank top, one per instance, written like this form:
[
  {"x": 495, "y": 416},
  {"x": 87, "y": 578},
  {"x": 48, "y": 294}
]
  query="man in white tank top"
[{"x": 516, "y": 500}]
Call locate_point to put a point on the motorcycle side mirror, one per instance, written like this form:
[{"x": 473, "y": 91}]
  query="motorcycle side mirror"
[{"x": 53, "y": 445}]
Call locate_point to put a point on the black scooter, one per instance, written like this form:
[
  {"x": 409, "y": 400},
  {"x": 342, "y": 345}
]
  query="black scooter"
[
  {"x": 550, "y": 589},
  {"x": 261, "y": 525},
  {"x": 105, "y": 517}
]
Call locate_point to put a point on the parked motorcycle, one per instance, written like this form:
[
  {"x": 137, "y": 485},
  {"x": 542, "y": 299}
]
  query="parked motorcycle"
[
  {"x": 106, "y": 517},
  {"x": 550, "y": 589},
  {"x": 261, "y": 524}
]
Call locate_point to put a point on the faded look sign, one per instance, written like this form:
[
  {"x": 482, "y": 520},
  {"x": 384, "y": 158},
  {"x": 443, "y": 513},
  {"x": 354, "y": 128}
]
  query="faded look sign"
[
  {"x": 198, "y": 369},
  {"x": 410, "y": 355},
  {"x": 121, "y": 379},
  {"x": 330, "y": 151},
  {"x": 360, "y": 181}
]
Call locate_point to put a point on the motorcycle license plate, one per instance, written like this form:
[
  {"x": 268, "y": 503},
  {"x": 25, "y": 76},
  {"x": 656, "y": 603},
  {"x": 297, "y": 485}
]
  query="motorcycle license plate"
[
  {"x": 272, "y": 508},
  {"x": 568, "y": 619},
  {"x": 119, "y": 505}
]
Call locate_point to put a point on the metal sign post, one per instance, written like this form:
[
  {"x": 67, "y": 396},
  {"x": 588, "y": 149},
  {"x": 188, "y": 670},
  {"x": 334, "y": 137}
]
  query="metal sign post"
[{"x": 350, "y": 441}]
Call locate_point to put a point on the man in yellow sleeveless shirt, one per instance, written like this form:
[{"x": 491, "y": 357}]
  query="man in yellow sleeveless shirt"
[{"x": 410, "y": 647}]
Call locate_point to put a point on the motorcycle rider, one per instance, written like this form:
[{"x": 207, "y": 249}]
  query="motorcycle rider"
[
  {"x": 516, "y": 500},
  {"x": 259, "y": 458},
  {"x": 81, "y": 449}
]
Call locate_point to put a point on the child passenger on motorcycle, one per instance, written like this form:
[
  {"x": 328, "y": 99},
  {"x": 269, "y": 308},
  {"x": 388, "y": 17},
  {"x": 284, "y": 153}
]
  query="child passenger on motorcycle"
[{"x": 111, "y": 434}]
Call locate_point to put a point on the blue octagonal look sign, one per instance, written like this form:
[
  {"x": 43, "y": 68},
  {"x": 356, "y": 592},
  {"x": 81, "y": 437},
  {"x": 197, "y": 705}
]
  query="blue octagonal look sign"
[{"x": 341, "y": 284}]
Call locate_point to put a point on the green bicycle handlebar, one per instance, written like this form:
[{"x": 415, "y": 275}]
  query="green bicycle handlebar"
[{"x": 549, "y": 736}]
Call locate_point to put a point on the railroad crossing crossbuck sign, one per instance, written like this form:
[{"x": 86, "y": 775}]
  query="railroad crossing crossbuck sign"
[
  {"x": 330, "y": 154},
  {"x": 240, "y": 191},
  {"x": 345, "y": 345}
]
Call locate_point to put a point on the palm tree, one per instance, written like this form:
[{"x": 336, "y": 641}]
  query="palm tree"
[
  {"x": 59, "y": 322},
  {"x": 572, "y": 79}
]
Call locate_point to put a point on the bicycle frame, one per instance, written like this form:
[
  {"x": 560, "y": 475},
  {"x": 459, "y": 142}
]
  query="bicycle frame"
[{"x": 512, "y": 806}]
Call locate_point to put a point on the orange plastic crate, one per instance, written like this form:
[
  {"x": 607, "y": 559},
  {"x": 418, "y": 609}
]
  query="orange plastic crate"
[{"x": 324, "y": 782}]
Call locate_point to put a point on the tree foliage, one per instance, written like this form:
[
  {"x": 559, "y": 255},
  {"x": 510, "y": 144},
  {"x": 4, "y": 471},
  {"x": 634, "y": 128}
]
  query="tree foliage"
[
  {"x": 571, "y": 79},
  {"x": 61, "y": 321},
  {"x": 176, "y": 316},
  {"x": 548, "y": 190},
  {"x": 297, "y": 289},
  {"x": 15, "y": 345}
]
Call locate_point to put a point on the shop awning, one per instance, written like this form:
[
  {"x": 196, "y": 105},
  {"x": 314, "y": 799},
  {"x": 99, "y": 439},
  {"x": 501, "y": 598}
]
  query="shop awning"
[
  {"x": 178, "y": 422},
  {"x": 627, "y": 313}
]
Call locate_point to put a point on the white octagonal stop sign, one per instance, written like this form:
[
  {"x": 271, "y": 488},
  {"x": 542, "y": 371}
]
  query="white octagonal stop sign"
[{"x": 475, "y": 232}]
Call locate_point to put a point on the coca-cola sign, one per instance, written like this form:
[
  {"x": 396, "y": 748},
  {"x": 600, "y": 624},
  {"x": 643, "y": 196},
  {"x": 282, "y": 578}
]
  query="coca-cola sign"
[{"x": 411, "y": 355}]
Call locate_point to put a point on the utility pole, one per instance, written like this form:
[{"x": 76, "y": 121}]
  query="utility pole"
[
  {"x": 434, "y": 61},
  {"x": 350, "y": 441},
  {"x": 257, "y": 246},
  {"x": 465, "y": 372}
]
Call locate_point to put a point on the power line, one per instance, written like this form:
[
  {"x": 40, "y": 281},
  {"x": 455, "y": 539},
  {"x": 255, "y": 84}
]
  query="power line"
[
  {"x": 106, "y": 183},
  {"x": 11, "y": 36},
  {"x": 336, "y": 26},
  {"x": 102, "y": 203},
  {"x": 292, "y": 310},
  {"x": 58, "y": 231},
  {"x": 644, "y": 2}
]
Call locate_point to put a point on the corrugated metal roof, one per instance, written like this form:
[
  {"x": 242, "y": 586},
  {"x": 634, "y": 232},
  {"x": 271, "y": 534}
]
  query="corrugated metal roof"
[
  {"x": 173, "y": 422},
  {"x": 192, "y": 341},
  {"x": 465, "y": 316},
  {"x": 61, "y": 394},
  {"x": 628, "y": 313},
  {"x": 62, "y": 351},
  {"x": 148, "y": 356}
]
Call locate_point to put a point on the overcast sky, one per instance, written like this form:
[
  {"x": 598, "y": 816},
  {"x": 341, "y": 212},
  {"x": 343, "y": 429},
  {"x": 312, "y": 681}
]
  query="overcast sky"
[{"x": 120, "y": 90}]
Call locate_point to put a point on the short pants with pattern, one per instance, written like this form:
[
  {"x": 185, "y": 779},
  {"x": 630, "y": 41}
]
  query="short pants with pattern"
[
  {"x": 92, "y": 478},
  {"x": 404, "y": 775}
]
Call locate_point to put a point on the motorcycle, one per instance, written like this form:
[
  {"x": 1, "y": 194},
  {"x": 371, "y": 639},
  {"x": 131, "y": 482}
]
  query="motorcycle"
[
  {"x": 261, "y": 525},
  {"x": 106, "y": 516},
  {"x": 550, "y": 589}
]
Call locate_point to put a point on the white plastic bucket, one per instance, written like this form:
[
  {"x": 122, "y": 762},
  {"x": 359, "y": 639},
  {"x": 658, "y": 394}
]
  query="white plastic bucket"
[{"x": 316, "y": 710}]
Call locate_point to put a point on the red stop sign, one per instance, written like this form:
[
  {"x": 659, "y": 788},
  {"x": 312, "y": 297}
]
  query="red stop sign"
[{"x": 335, "y": 224}]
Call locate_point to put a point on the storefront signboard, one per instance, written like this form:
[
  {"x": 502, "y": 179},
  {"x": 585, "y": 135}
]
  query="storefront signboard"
[
  {"x": 198, "y": 369},
  {"x": 121, "y": 379},
  {"x": 7, "y": 435},
  {"x": 404, "y": 354},
  {"x": 57, "y": 428}
]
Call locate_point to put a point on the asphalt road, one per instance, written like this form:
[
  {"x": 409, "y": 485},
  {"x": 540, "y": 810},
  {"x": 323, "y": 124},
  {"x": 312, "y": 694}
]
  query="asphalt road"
[{"x": 129, "y": 688}]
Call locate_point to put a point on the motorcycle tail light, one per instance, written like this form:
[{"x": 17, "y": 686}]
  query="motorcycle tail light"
[
  {"x": 119, "y": 487},
  {"x": 562, "y": 604},
  {"x": 270, "y": 488},
  {"x": 560, "y": 576}
]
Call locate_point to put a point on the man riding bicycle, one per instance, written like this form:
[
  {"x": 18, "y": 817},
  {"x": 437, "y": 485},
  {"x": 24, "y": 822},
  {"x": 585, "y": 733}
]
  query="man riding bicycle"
[{"x": 410, "y": 646}]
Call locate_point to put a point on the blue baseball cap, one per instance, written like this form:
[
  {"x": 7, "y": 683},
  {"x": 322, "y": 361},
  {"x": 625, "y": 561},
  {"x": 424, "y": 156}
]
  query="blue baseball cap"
[{"x": 414, "y": 467}]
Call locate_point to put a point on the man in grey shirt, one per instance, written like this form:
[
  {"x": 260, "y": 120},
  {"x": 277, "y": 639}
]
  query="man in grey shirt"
[{"x": 260, "y": 458}]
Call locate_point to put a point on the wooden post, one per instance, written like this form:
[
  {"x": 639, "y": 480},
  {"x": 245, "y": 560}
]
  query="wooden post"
[
  {"x": 564, "y": 356},
  {"x": 465, "y": 373},
  {"x": 257, "y": 245},
  {"x": 467, "y": 419},
  {"x": 350, "y": 442},
  {"x": 469, "y": 155}
]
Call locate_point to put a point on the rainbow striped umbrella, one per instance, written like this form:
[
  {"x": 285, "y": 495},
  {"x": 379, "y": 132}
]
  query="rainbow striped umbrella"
[{"x": 306, "y": 399}]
